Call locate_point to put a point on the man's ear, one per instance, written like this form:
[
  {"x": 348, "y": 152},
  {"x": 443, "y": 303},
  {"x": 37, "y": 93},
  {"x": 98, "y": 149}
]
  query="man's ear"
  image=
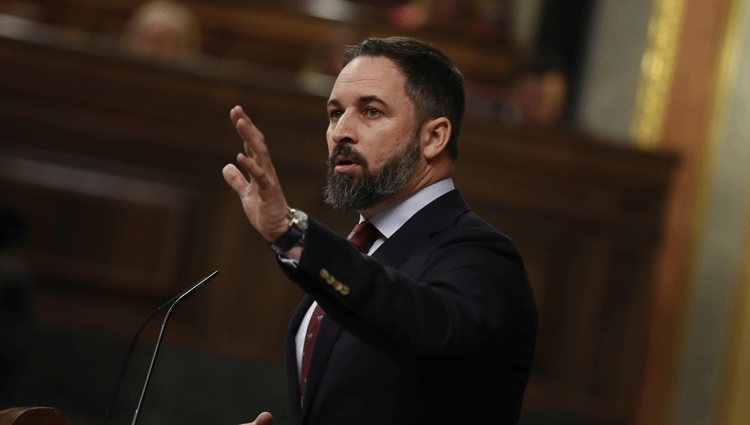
[{"x": 434, "y": 136}]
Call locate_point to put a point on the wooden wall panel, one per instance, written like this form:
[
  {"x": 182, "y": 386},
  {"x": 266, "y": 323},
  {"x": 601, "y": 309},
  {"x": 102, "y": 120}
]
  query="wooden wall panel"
[
  {"x": 586, "y": 217},
  {"x": 89, "y": 231}
]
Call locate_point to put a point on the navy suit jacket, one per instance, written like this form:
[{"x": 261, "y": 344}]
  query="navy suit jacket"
[{"x": 437, "y": 326}]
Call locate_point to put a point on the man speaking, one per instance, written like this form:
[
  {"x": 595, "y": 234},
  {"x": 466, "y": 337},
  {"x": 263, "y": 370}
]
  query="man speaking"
[{"x": 424, "y": 313}]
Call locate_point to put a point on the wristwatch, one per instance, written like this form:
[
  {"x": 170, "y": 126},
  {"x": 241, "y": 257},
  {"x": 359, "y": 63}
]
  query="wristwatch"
[{"x": 294, "y": 233}]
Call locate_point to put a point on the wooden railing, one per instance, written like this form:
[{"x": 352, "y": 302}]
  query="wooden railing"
[{"x": 32, "y": 416}]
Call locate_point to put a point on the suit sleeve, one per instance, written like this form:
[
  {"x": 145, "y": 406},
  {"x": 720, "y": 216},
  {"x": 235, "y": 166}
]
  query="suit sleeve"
[{"x": 464, "y": 293}]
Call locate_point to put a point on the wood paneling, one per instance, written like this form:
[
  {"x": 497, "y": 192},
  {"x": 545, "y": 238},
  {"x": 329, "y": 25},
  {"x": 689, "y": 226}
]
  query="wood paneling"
[
  {"x": 587, "y": 218},
  {"x": 283, "y": 34}
]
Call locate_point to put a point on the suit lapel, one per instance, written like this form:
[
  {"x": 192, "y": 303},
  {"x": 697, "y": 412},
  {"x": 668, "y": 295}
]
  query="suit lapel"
[
  {"x": 435, "y": 217},
  {"x": 327, "y": 334}
]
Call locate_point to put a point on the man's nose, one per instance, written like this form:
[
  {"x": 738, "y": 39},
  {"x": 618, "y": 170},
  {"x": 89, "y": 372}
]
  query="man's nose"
[{"x": 344, "y": 129}]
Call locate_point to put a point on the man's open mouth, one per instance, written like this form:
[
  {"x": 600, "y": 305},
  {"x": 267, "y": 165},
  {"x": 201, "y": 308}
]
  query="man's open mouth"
[
  {"x": 344, "y": 160},
  {"x": 345, "y": 164}
]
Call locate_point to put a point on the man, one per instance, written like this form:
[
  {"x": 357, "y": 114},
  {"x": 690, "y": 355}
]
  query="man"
[{"x": 435, "y": 321}]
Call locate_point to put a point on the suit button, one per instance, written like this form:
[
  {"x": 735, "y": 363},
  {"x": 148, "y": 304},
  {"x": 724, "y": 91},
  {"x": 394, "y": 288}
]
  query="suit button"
[{"x": 324, "y": 274}]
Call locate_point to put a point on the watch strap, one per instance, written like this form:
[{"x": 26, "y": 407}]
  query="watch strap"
[{"x": 286, "y": 241}]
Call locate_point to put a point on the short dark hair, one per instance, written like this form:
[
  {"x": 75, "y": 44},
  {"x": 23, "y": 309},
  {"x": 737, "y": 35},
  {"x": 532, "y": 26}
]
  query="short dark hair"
[{"x": 433, "y": 83}]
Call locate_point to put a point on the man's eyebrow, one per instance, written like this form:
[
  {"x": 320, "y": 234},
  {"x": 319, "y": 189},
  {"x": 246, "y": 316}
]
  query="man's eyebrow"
[{"x": 362, "y": 100}]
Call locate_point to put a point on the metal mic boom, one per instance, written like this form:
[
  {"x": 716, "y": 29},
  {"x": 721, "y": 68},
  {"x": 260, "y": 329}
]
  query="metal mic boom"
[{"x": 171, "y": 304}]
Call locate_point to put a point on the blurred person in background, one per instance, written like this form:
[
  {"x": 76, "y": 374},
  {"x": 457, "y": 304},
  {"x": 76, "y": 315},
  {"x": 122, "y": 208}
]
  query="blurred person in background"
[
  {"x": 538, "y": 92},
  {"x": 482, "y": 19},
  {"x": 21, "y": 9},
  {"x": 416, "y": 14},
  {"x": 164, "y": 30}
]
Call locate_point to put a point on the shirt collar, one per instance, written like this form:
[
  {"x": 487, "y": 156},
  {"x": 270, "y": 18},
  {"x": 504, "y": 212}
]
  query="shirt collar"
[{"x": 390, "y": 220}]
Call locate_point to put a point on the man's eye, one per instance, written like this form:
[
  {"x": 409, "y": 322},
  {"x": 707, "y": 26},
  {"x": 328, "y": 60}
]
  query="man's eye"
[
  {"x": 372, "y": 112},
  {"x": 334, "y": 114}
]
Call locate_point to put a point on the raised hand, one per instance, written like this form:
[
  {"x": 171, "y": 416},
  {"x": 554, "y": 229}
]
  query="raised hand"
[{"x": 261, "y": 194}]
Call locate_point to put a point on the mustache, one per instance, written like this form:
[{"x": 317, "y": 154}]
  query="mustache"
[{"x": 348, "y": 151}]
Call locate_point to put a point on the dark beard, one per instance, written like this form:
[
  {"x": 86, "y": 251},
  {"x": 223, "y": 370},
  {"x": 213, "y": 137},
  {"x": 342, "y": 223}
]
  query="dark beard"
[{"x": 345, "y": 191}]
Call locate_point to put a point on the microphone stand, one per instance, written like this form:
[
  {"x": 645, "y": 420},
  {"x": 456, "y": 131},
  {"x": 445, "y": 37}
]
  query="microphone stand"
[{"x": 171, "y": 304}]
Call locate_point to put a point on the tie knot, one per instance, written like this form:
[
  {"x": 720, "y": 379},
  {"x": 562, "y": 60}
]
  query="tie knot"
[{"x": 363, "y": 236}]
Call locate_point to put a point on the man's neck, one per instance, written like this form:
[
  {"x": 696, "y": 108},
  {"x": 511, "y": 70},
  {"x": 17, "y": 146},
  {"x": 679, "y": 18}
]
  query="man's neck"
[
  {"x": 390, "y": 220},
  {"x": 387, "y": 203}
]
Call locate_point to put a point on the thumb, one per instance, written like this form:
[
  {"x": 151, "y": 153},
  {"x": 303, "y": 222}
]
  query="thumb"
[
  {"x": 234, "y": 178},
  {"x": 264, "y": 418}
]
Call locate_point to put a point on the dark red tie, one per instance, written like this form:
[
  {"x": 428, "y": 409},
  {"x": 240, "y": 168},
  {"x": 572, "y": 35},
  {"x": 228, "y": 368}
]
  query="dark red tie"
[
  {"x": 362, "y": 236},
  {"x": 310, "y": 336}
]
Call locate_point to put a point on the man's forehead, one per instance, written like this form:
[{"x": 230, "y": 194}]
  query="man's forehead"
[
  {"x": 368, "y": 73},
  {"x": 361, "y": 64}
]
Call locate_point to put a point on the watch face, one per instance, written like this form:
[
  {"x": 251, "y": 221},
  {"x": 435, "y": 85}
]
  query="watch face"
[{"x": 299, "y": 219}]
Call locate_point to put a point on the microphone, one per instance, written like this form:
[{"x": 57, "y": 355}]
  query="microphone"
[{"x": 171, "y": 304}]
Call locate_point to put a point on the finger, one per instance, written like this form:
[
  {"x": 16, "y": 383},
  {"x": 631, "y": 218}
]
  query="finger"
[
  {"x": 256, "y": 171},
  {"x": 264, "y": 418},
  {"x": 254, "y": 141},
  {"x": 255, "y": 144},
  {"x": 236, "y": 113},
  {"x": 235, "y": 179}
]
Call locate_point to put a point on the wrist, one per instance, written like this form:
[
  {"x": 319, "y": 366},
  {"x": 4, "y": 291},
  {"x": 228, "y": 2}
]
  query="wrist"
[
  {"x": 293, "y": 235},
  {"x": 276, "y": 234}
]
